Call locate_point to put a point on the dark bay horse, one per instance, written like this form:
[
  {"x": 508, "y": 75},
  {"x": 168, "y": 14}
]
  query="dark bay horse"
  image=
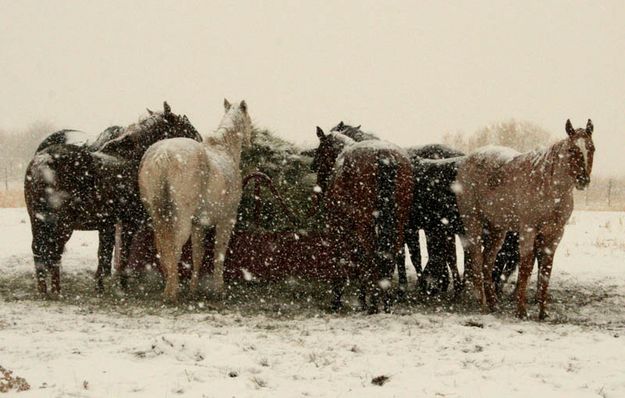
[
  {"x": 531, "y": 193},
  {"x": 69, "y": 186},
  {"x": 367, "y": 189}
]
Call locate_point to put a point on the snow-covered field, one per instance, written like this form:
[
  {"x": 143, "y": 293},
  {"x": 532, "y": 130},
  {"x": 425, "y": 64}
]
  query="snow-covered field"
[{"x": 279, "y": 340}]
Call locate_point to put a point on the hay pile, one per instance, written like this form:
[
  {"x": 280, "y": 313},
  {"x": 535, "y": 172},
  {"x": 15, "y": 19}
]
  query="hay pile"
[{"x": 290, "y": 172}]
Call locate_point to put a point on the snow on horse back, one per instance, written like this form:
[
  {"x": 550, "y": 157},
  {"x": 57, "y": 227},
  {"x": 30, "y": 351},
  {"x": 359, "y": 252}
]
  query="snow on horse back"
[{"x": 190, "y": 187}]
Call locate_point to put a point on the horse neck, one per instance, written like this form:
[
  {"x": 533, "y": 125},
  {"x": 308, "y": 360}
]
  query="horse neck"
[
  {"x": 554, "y": 162},
  {"x": 228, "y": 138}
]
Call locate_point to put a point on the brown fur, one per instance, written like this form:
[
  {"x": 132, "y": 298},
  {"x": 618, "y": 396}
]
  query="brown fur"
[
  {"x": 351, "y": 202},
  {"x": 531, "y": 193}
]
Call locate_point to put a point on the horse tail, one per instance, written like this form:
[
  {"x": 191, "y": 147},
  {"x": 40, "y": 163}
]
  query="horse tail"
[
  {"x": 385, "y": 221},
  {"x": 165, "y": 209}
]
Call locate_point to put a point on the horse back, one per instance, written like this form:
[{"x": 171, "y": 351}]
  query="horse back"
[
  {"x": 507, "y": 189},
  {"x": 355, "y": 186}
]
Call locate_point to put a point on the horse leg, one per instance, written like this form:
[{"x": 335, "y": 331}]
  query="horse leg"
[
  {"x": 452, "y": 262},
  {"x": 492, "y": 247},
  {"x": 412, "y": 241},
  {"x": 401, "y": 275},
  {"x": 472, "y": 244},
  {"x": 128, "y": 232},
  {"x": 526, "y": 263},
  {"x": 55, "y": 265},
  {"x": 438, "y": 252},
  {"x": 223, "y": 231},
  {"x": 41, "y": 247},
  {"x": 169, "y": 238},
  {"x": 197, "y": 242},
  {"x": 545, "y": 251},
  {"x": 106, "y": 243}
]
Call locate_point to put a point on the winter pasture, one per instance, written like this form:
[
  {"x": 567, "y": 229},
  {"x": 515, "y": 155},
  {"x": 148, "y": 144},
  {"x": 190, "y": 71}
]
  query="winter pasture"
[{"x": 279, "y": 340}]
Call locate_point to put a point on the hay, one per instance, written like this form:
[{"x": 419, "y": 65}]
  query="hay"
[{"x": 289, "y": 170}]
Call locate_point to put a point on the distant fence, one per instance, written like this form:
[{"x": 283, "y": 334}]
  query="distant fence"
[{"x": 602, "y": 194}]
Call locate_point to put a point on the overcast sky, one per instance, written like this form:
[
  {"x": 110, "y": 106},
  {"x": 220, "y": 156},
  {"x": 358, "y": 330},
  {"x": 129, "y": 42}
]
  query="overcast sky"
[{"x": 408, "y": 71}]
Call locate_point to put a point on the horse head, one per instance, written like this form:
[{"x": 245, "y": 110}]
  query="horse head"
[
  {"x": 137, "y": 138},
  {"x": 238, "y": 115},
  {"x": 579, "y": 154},
  {"x": 330, "y": 146}
]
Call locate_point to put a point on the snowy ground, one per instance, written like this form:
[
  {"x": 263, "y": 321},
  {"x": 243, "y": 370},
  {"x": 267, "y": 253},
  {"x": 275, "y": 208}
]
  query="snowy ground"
[{"x": 279, "y": 340}]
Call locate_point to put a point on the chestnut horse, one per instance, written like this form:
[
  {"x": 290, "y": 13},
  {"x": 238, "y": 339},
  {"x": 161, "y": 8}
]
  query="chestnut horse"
[
  {"x": 190, "y": 187},
  {"x": 367, "y": 190},
  {"x": 531, "y": 193}
]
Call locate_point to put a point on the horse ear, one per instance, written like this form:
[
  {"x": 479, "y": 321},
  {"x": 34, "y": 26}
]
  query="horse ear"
[
  {"x": 589, "y": 127},
  {"x": 569, "y": 127},
  {"x": 149, "y": 111},
  {"x": 358, "y": 127},
  {"x": 320, "y": 133},
  {"x": 243, "y": 106},
  {"x": 166, "y": 107},
  {"x": 227, "y": 105},
  {"x": 341, "y": 125}
]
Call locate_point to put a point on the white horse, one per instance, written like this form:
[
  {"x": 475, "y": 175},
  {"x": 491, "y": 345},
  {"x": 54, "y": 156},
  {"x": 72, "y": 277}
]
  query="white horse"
[{"x": 188, "y": 187}]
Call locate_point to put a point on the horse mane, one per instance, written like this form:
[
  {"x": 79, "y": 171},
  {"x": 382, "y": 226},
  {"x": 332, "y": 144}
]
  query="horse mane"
[
  {"x": 545, "y": 159},
  {"x": 230, "y": 122},
  {"x": 355, "y": 133},
  {"x": 107, "y": 135},
  {"x": 343, "y": 138}
]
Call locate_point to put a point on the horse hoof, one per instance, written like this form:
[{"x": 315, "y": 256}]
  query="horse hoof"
[
  {"x": 543, "y": 315},
  {"x": 521, "y": 314}
]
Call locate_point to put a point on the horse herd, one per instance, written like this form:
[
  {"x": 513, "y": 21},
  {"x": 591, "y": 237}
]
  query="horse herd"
[{"x": 508, "y": 208}]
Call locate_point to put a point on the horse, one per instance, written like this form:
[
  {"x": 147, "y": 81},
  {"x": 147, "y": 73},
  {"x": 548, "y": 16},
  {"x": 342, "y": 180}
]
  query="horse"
[
  {"x": 190, "y": 187},
  {"x": 69, "y": 186},
  {"x": 531, "y": 193},
  {"x": 367, "y": 190}
]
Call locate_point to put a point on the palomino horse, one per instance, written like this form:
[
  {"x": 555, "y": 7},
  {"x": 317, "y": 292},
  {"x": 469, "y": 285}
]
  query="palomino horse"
[
  {"x": 367, "y": 191},
  {"x": 75, "y": 184},
  {"x": 531, "y": 193},
  {"x": 189, "y": 187}
]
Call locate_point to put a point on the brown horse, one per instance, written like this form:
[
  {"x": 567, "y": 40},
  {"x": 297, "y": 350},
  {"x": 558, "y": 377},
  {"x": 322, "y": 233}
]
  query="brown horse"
[
  {"x": 531, "y": 193},
  {"x": 367, "y": 189}
]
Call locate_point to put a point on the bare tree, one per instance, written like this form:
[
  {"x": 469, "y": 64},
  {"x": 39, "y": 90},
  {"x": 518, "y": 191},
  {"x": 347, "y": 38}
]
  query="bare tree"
[{"x": 520, "y": 135}]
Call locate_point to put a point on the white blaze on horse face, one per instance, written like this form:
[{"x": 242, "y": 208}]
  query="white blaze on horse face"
[{"x": 581, "y": 144}]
